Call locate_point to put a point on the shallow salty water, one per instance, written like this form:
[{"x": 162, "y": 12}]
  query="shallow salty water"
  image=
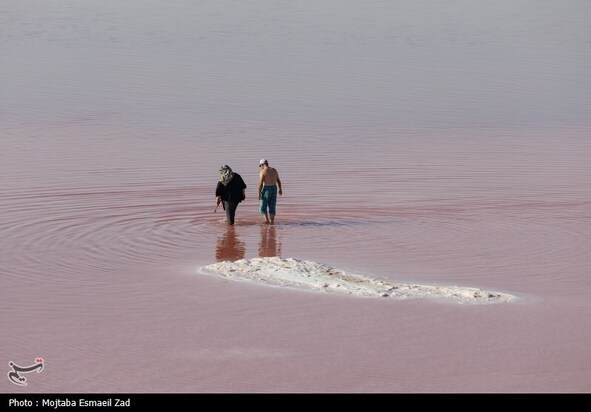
[{"x": 437, "y": 143}]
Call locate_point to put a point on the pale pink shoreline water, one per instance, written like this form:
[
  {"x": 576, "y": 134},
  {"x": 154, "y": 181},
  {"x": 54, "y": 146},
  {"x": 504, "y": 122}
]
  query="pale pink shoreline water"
[{"x": 449, "y": 153}]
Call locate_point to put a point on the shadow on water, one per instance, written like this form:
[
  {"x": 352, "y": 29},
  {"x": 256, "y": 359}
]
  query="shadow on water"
[
  {"x": 229, "y": 246},
  {"x": 334, "y": 223}
]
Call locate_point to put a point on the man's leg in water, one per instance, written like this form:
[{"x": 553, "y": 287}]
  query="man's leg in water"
[
  {"x": 264, "y": 206},
  {"x": 272, "y": 202}
]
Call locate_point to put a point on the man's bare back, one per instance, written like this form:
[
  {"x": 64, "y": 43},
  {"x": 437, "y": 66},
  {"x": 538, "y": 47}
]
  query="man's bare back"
[{"x": 269, "y": 176}]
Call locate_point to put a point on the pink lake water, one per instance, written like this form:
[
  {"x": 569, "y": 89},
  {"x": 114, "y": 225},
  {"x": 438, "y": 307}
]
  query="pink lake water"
[{"x": 442, "y": 142}]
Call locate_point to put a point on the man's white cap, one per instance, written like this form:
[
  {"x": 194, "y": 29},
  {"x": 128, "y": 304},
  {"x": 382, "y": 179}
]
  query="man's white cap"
[{"x": 263, "y": 162}]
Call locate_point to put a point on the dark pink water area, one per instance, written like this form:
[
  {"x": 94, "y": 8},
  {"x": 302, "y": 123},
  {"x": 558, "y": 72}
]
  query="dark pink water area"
[
  {"x": 100, "y": 275},
  {"x": 459, "y": 159}
]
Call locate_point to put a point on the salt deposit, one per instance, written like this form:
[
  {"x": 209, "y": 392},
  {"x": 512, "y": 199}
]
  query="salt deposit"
[{"x": 313, "y": 276}]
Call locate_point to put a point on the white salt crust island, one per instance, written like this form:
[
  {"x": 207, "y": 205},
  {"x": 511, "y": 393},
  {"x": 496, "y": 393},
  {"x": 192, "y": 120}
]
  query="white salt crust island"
[{"x": 313, "y": 276}]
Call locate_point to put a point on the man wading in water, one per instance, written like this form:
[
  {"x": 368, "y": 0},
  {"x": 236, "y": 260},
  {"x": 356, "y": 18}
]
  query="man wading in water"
[{"x": 268, "y": 182}]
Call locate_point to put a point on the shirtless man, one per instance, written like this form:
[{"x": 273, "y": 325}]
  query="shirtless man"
[{"x": 268, "y": 183}]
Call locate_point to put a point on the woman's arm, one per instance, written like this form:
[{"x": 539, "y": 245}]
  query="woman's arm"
[{"x": 219, "y": 192}]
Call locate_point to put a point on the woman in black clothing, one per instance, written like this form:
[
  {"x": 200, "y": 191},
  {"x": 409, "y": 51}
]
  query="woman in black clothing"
[{"x": 230, "y": 191}]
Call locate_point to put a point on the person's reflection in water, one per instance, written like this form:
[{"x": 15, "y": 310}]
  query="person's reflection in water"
[
  {"x": 229, "y": 247},
  {"x": 268, "y": 246}
]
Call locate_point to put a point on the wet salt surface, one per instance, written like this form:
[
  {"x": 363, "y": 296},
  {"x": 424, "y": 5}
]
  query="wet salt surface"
[{"x": 313, "y": 276}]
